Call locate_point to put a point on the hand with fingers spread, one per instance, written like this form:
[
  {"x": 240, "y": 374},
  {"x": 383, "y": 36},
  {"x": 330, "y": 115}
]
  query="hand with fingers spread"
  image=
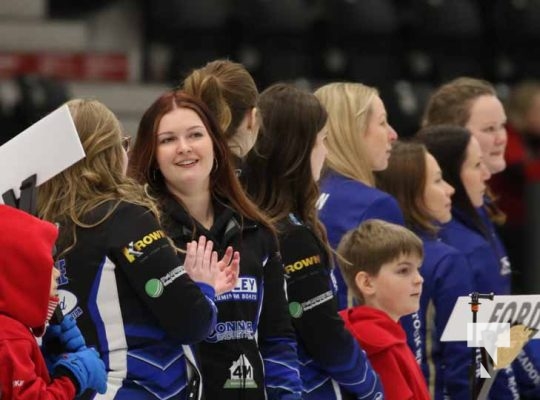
[
  {"x": 228, "y": 270},
  {"x": 200, "y": 262}
]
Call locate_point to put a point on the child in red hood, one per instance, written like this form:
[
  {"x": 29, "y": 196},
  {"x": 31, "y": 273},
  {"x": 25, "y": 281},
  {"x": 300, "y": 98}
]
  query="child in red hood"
[
  {"x": 380, "y": 263},
  {"x": 27, "y": 301}
]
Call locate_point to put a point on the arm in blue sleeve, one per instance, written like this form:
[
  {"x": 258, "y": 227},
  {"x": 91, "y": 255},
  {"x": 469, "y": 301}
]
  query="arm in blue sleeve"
[
  {"x": 156, "y": 273},
  {"x": 453, "y": 279},
  {"x": 527, "y": 370},
  {"x": 277, "y": 341},
  {"x": 319, "y": 329}
]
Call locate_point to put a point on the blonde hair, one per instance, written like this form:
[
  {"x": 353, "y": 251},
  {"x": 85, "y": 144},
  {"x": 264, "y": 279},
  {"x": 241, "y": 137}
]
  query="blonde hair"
[
  {"x": 371, "y": 245},
  {"x": 98, "y": 178},
  {"x": 349, "y": 107}
]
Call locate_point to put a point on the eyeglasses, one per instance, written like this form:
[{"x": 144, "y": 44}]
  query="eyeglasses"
[{"x": 126, "y": 142}]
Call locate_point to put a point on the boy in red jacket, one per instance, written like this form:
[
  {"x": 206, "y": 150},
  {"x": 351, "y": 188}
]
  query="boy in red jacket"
[
  {"x": 380, "y": 263},
  {"x": 27, "y": 301}
]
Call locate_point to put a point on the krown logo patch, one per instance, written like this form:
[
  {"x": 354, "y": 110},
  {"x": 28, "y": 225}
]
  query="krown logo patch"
[
  {"x": 303, "y": 263},
  {"x": 135, "y": 248},
  {"x": 154, "y": 287}
]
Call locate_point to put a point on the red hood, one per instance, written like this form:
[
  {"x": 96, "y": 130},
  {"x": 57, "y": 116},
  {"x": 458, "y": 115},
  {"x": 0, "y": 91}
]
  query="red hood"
[
  {"x": 26, "y": 265},
  {"x": 377, "y": 330}
]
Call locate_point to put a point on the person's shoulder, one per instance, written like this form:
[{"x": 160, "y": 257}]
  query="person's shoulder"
[
  {"x": 349, "y": 191},
  {"x": 437, "y": 247},
  {"x": 457, "y": 234},
  {"x": 125, "y": 209},
  {"x": 291, "y": 225},
  {"x": 442, "y": 259},
  {"x": 336, "y": 183},
  {"x": 13, "y": 329},
  {"x": 374, "y": 328}
]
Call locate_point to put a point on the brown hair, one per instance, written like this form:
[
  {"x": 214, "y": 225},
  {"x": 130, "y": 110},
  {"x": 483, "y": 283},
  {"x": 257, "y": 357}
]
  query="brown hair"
[
  {"x": 405, "y": 179},
  {"x": 278, "y": 174},
  {"x": 451, "y": 102},
  {"x": 223, "y": 182},
  {"x": 448, "y": 145},
  {"x": 371, "y": 245},
  {"x": 227, "y": 88}
]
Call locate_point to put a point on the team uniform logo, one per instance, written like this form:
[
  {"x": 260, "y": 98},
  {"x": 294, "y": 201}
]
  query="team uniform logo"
[
  {"x": 303, "y": 263},
  {"x": 155, "y": 287},
  {"x": 506, "y": 268},
  {"x": 232, "y": 330},
  {"x": 136, "y": 248},
  {"x": 246, "y": 289},
  {"x": 240, "y": 375},
  {"x": 296, "y": 309}
]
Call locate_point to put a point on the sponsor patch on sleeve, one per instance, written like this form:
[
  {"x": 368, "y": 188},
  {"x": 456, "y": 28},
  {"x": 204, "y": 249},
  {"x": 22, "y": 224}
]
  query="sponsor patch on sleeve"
[{"x": 136, "y": 249}]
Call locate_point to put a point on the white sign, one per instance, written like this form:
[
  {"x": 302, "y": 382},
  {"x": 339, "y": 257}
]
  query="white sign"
[
  {"x": 46, "y": 149},
  {"x": 523, "y": 309}
]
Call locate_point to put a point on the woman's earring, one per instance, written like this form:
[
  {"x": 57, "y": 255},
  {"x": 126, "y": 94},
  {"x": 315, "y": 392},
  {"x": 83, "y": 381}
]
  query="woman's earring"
[
  {"x": 154, "y": 175},
  {"x": 216, "y": 165}
]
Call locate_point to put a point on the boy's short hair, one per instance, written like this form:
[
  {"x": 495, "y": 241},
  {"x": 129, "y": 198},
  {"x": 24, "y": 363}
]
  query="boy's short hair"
[{"x": 371, "y": 245}]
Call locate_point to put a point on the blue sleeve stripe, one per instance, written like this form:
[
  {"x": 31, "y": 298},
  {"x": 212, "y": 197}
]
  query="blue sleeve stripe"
[
  {"x": 292, "y": 368},
  {"x": 318, "y": 385},
  {"x": 373, "y": 387}
]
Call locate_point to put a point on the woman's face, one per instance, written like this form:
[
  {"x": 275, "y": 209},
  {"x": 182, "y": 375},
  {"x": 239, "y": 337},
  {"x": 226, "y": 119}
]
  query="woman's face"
[
  {"x": 379, "y": 136},
  {"x": 487, "y": 123},
  {"x": 474, "y": 173},
  {"x": 184, "y": 152},
  {"x": 437, "y": 192},
  {"x": 318, "y": 154}
]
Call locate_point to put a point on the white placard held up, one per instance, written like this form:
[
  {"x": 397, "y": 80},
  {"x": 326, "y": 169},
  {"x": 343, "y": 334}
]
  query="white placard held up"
[
  {"x": 46, "y": 149},
  {"x": 524, "y": 309}
]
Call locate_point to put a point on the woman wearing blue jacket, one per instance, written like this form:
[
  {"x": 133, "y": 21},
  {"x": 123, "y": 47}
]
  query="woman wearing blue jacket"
[
  {"x": 359, "y": 141},
  {"x": 415, "y": 179},
  {"x": 473, "y": 104},
  {"x": 460, "y": 157}
]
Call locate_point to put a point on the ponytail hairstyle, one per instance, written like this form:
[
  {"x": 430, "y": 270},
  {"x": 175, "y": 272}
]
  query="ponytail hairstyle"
[{"x": 228, "y": 90}]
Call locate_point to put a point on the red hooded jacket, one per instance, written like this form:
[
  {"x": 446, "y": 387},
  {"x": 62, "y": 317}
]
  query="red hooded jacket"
[
  {"x": 385, "y": 343},
  {"x": 26, "y": 265}
]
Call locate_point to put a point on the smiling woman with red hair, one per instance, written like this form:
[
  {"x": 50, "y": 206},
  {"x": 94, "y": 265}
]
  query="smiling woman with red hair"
[{"x": 184, "y": 158}]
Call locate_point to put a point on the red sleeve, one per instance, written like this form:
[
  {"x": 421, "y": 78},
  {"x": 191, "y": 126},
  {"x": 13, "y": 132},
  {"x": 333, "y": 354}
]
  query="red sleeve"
[
  {"x": 19, "y": 378},
  {"x": 394, "y": 383}
]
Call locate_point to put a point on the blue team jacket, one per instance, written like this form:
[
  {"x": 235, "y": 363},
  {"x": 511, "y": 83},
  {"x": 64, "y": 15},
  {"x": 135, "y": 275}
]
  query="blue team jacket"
[
  {"x": 527, "y": 365},
  {"x": 491, "y": 273},
  {"x": 343, "y": 204},
  {"x": 447, "y": 275}
]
